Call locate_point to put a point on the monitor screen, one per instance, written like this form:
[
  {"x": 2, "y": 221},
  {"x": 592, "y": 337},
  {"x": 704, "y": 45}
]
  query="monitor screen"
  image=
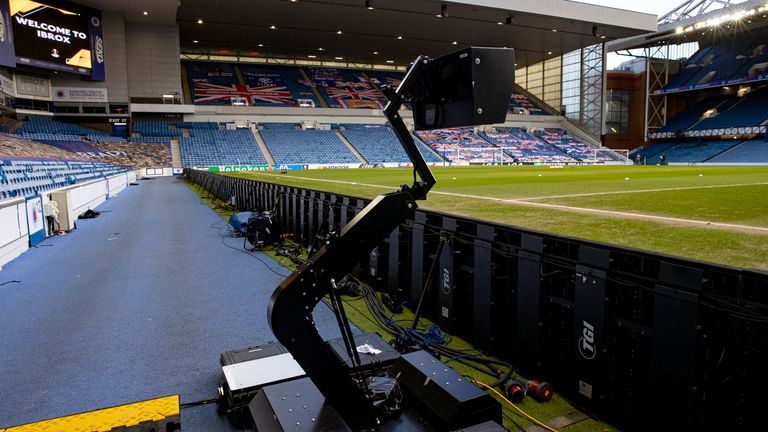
[{"x": 52, "y": 34}]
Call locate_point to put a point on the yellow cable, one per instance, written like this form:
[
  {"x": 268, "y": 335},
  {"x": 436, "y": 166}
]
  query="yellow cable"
[{"x": 528, "y": 416}]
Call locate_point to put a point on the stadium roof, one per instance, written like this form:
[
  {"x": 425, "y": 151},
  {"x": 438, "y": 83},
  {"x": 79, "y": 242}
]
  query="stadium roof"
[
  {"x": 537, "y": 30},
  {"x": 701, "y": 21}
]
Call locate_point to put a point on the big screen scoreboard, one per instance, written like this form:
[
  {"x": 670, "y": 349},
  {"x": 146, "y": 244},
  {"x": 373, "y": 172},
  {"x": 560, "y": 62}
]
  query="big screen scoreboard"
[{"x": 54, "y": 34}]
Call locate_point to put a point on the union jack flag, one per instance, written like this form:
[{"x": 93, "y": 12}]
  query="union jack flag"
[
  {"x": 274, "y": 94},
  {"x": 455, "y": 136},
  {"x": 346, "y": 97}
]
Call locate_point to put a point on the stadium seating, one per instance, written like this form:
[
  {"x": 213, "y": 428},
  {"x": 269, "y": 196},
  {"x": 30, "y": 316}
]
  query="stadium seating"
[
  {"x": 575, "y": 148},
  {"x": 524, "y": 147},
  {"x": 26, "y": 178},
  {"x": 520, "y": 104},
  {"x": 44, "y": 125},
  {"x": 379, "y": 144},
  {"x": 692, "y": 152},
  {"x": 750, "y": 110},
  {"x": 462, "y": 146},
  {"x": 647, "y": 153},
  {"x": 277, "y": 85},
  {"x": 752, "y": 151},
  {"x": 134, "y": 155},
  {"x": 346, "y": 88},
  {"x": 196, "y": 125},
  {"x": 289, "y": 144},
  {"x": 731, "y": 60},
  {"x": 691, "y": 115},
  {"x": 156, "y": 128},
  {"x": 214, "y": 83},
  {"x": 206, "y": 147},
  {"x": 19, "y": 147},
  {"x": 149, "y": 139},
  {"x": 103, "y": 138},
  {"x": 379, "y": 78}
]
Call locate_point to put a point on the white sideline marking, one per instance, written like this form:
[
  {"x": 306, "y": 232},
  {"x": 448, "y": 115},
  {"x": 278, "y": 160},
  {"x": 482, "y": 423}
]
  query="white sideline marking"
[
  {"x": 644, "y": 191},
  {"x": 527, "y": 202}
]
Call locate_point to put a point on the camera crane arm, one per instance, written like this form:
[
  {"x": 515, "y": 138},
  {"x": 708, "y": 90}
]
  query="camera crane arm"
[
  {"x": 292, "y": 303},
  {"x": 469, "y": 87}
]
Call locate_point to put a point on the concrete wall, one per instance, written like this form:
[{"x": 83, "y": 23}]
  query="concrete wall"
[{"x": 154, "y": 68}]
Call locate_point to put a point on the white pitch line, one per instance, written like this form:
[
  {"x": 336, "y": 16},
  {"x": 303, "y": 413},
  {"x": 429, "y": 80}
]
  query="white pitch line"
[
  {"x": 643, "y": 191},
  {"x": 525, "y": 202},
  {"x": 647, "y": 216}
]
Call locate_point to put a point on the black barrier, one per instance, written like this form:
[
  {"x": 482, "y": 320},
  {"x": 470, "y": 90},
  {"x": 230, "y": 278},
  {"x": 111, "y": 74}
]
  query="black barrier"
[{"x": 649, "y": 342}]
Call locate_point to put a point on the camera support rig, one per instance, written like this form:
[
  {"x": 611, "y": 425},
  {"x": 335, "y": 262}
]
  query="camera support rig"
[{"x": 444, "y": 93}]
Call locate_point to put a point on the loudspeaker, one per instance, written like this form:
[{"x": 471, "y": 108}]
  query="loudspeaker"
[{"x": 465, "y": 88}]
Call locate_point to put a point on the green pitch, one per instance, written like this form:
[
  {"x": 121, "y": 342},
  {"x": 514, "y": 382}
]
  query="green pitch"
[{"x": 716, "y": 214}]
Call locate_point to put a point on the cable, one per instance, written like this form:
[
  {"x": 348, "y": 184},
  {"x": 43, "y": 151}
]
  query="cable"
[
  {"x": 10, "y": 281},
  {"x": 256, "y": 258},
  {"x": 197, "y": 403},
  {"x": 525, "y": 414}
]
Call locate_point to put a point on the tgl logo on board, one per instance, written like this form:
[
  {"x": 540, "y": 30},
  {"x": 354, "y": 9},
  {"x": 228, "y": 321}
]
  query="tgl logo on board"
[
  {"x": 446, "y": 281},
  {"x": 587, "y": 346}
]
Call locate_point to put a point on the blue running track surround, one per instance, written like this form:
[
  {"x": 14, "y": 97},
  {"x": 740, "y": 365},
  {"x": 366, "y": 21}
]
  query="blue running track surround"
[{"x": 134, "y": 304}]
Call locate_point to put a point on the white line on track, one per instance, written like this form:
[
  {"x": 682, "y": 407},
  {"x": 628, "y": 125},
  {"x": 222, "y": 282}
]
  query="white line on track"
[{"x": 527, "y": 202}]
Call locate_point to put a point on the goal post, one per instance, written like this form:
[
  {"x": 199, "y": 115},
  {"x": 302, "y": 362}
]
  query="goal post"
[{"x": 612, "y": 156}]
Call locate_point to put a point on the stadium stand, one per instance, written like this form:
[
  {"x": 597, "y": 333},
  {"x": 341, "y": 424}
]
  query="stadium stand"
[
  {"x": 214, "y": 83},
  {"x": 691, "y": 115},
  {"x": 206, "y": 147},
  {"x": 25, "y": 178},
  {"x": 691, "y": 152},
  {"x": 289, "y": 144},
  {"x": 524, "y": 147},
  {"x": 276, "y": 85},
  {"x": 462, "y": 146},
  {"x": 732, "y": 60},
  {"x": 379, "y": 78},
  {"x": 379, "y": 144},
  {"x": 519, "y": 104},
  {"x": 102, "y": 138},
  {"x": 346, "y": 88},
  {"x": 19, "y": 147},
  {"x": 134, "y": 155},
  {"x": 750, "y": 110},
  {"x": 573, "y": 147},
  {"x": 754, "y": 151},
  {"x": 156, "y": 129},
  {"x": 44, "y": 125},
  {"x": 647, "y": 153}
]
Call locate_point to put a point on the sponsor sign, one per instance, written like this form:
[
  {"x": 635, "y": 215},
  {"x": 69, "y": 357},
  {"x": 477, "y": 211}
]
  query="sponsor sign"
[
  {"x": 31, "y": 85},
  {"x": 236, "y": 168},
  {"x": 35, "y": 220},
  {"x": 79, "y": 94}
]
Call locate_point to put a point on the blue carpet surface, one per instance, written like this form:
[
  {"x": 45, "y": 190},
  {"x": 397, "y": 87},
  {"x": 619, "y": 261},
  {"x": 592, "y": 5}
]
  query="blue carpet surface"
[{"x": 135, "y": 304}]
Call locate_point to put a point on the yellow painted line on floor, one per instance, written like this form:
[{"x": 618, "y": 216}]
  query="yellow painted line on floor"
[{"x": 107, "y": 419}]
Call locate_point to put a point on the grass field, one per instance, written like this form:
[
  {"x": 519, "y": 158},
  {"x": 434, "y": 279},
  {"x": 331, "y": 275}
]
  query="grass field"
[{"x": 715, "y": 214}]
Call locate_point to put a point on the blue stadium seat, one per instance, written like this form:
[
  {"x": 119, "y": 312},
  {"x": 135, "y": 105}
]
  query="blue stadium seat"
[
  {"x": 525, "y": 147},
  {"x": 26, "y": 178},
  {"x": 754, "y": 151},
  {"x": 207, "y": 146},
  {"x": 379, "y": 144},
  {"x": 289, "y": 144}
]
